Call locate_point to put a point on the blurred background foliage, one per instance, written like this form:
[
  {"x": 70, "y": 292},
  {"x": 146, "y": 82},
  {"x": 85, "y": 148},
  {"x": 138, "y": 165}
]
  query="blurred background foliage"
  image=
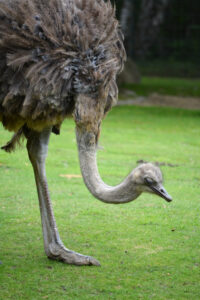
[{"x": 162, "y": 36}]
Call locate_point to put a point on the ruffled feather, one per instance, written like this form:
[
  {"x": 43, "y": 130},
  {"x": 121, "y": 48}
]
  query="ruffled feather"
[{"x": 52, "y": 50}]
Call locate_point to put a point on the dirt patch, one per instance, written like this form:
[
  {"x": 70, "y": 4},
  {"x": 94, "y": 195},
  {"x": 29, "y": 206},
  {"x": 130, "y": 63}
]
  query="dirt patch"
[
  {"x": 163, "y": 101},
  {"x": 70, "y": 176}
]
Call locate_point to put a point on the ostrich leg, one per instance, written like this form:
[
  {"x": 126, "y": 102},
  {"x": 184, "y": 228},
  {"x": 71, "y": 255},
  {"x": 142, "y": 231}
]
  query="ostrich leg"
[{"x": 37, "y": 146}]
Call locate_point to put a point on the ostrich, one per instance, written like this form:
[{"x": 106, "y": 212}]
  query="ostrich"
[{"x": 60, "y": 58}]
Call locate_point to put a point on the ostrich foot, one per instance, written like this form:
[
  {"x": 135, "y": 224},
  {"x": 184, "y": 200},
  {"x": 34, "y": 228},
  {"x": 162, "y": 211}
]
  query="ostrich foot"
[{"x": 60, "y": 253}]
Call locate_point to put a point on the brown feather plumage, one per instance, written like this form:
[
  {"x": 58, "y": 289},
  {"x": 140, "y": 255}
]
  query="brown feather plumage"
[{"x": 52, "y": 50}]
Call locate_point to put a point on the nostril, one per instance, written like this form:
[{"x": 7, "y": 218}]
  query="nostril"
[{"x": 161, "y": 190}]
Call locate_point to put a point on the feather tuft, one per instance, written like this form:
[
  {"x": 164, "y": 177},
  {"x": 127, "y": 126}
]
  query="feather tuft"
[{"x": 53, "y": 50}]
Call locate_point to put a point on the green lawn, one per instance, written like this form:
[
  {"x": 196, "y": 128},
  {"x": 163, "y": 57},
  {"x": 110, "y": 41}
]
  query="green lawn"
[
  {"x": 166, "y": 86},
  {"x": 169, "y": 68},
  {"x": 149, "y": 249}
]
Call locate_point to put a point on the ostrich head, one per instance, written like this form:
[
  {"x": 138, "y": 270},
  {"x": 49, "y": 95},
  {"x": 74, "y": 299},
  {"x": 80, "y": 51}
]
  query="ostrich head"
[
  {"x": 148, "y": 178},
  {"x": 145, "y": 178}
]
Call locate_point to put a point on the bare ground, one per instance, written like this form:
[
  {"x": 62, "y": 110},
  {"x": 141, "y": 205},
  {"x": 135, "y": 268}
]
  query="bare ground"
[{"x": 162, "y": 100}]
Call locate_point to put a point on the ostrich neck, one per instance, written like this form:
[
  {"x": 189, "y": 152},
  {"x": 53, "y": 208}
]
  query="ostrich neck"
[{"x": 122, "y": 193}]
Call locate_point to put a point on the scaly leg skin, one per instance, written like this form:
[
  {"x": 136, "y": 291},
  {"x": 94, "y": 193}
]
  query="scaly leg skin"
[{"x": 37, "y": 146}]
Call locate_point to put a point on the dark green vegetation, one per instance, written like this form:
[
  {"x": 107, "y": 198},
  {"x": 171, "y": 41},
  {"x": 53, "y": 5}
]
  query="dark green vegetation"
[
  {"x": 160, "y": 34},
  {"x": 163, "y": 39},
  {"x": 166, "y": 86},
  {"x": 148, "y": 249}
]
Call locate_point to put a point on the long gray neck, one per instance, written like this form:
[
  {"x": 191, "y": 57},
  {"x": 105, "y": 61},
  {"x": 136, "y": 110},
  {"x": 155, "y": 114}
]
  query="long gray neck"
[{"x": 122, "y": 193}]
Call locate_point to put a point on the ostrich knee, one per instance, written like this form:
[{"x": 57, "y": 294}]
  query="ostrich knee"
[{"x": 37, "y": 145}]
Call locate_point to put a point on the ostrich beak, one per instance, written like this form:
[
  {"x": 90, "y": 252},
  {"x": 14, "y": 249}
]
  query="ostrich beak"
[{"x": 160, "y": 191}]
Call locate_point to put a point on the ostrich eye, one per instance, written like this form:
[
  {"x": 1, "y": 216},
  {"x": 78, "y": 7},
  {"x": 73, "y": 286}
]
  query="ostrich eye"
[{"x": 149, "y": 181}]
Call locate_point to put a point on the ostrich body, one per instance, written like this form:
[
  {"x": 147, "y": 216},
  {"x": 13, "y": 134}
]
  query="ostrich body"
[{"x": 60, "y": 58}]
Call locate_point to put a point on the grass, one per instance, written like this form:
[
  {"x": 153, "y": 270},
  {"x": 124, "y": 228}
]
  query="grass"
[
  {"x": 148, "y": 249},
  {"x": 169, "y": 68},
  {"x": 166, "y": 86}
]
